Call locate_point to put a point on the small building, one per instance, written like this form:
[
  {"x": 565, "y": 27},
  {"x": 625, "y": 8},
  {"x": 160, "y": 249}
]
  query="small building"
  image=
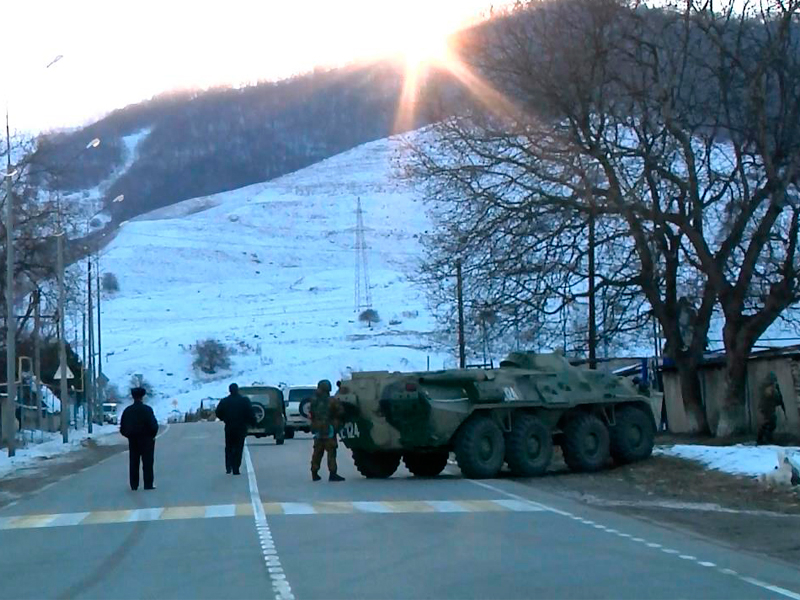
[{"x": 784, "y": 362}]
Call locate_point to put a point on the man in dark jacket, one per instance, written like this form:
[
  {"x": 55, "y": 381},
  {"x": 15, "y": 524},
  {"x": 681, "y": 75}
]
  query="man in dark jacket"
[
  {"x": 236, "y": 412},
  {"x": 139, "y": 425}
]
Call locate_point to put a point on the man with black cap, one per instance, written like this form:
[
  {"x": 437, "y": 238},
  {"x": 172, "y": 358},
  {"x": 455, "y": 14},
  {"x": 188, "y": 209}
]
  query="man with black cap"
[
  {"x": 139, "y": 425},
  {"x": 325, "y": 416},
  {"x": 236, "y": 412}
]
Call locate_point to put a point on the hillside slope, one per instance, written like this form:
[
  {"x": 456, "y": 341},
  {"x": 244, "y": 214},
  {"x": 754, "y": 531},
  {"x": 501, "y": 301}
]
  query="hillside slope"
[
  {"x": 207, "y": 142},
  {"x": 269, "y": 270}
]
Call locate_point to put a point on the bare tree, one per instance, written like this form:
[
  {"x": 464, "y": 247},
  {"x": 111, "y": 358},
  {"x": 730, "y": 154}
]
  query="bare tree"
[
  {"x": 37, "y": 214},
  {"x": 673, "y": 131}
]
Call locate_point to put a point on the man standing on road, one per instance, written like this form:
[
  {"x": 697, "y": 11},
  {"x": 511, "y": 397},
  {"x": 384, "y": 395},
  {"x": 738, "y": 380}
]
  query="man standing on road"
[
  {"x": 325, "y": 415},
  {"x": 769, "y": 401},
  {"x": 139, "y": 425},
  {"x": 236, "y": 412}
]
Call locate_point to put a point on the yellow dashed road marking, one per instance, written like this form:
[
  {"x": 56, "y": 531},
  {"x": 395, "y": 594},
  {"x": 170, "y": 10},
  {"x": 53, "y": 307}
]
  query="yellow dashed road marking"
[
  {"x": 184, "y": 512},
  {"x": 31, "y": 522},
  {"x": 289, "y": 509},
  {"x": 107, "y": 516},
  {"x": 334, "y": 508},
  {"x": 409, "y": 506}
]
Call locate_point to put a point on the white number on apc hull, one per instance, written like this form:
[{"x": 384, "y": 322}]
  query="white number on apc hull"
[
  {"x": 510, "y": 394},
  {"x": 350, "y": 430}
]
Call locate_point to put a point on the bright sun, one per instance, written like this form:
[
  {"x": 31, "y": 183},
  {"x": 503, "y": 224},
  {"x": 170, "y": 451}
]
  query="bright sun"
[
  {"x": 421, "y": 36},
  {"x": 426, "y": 48}
]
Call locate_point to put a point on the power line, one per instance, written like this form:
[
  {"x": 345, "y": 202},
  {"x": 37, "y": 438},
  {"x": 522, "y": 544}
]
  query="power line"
[{"x": 263, "y": 245}]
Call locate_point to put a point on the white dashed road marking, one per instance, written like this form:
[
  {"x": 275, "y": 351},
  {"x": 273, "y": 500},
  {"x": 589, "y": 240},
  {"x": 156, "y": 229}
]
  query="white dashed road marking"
[
  {"x": 280, "y": 585},
  {"x": 687, "y": 557}
]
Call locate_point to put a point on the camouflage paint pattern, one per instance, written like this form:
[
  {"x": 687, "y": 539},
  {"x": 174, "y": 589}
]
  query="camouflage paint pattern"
[{"x": 423, "y": 410}]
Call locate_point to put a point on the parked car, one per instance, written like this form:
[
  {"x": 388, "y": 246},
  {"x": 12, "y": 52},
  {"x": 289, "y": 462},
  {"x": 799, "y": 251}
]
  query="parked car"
[
  {"x": 297, "y": 415},
  {"x": 270, "y": 411},
  {"x": 110, "y": 413}
]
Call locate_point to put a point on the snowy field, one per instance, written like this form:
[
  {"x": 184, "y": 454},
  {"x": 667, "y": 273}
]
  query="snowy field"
[
  {"x": 269, "y": 271},
  {"x": 741, "y": 459}
]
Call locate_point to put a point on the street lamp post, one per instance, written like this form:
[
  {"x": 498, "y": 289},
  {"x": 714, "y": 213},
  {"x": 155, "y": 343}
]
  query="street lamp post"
[
  {"x": 62, "y": 330},
  {"x": 95, "y": 364},
  {"x": 11, "y": 385}
]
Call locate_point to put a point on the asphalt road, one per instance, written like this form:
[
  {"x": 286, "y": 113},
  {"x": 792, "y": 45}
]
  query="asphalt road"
[{"x": 272, "y": 533}]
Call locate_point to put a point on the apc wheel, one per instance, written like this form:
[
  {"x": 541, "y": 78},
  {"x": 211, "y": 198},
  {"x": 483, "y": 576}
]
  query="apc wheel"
[
  {"x": 586, "y": 443},
  {"x": 529, "y": 446},
  {"x": 279, "y": 441},
  {"x": 289, "y": 433},
  {"x": 480, "y": 448},
  {"x": 376, "y": 465},
  {"x": 633, "y": 436},
  {"x": 426, "y": 464}
]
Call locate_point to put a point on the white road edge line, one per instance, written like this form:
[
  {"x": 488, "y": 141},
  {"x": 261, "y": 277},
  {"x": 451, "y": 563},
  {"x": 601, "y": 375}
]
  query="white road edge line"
[
  {"x": 520, "y": 498},
  {"x": 772, "y": 588},
  {"x": 280, "y": 585},
  {"x": 752, "y": 581}
]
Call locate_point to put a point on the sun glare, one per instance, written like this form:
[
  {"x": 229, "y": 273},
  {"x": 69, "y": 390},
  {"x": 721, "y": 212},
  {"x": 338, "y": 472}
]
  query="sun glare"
[{"x": 426, "y": 49}]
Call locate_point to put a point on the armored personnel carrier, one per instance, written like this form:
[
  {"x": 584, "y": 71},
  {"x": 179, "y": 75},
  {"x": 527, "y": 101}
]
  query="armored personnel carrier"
[{"x": 514, "y": 414}]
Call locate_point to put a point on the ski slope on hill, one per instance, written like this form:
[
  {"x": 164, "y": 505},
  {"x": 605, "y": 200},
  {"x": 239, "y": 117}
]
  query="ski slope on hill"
[{"x": 269, "y": 271}]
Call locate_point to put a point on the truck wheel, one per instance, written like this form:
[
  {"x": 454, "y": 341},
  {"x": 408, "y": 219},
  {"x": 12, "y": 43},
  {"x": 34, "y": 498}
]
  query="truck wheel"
[
  {"x": 289, "y": 433},
  {"x": 426, "y": 464},
  {"x": 480, "y": 448},
  {"x": 586, "y": 443},
  {"x": 633, "y": 436},
  {"x": 529, "y": 446},
  {"x": 376, "y": 465}
]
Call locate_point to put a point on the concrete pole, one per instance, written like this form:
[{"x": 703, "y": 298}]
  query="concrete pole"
[
  {"x": 462, "y": 354},
  {"x": 9, "y": 415},
  {"x": 592, "y": 300},
  {"x": 99, "y": 334},
  {"x": 62, "y": 345},
  {"x": 90, "y": 399},
  {"x": 37, "y": 357}
]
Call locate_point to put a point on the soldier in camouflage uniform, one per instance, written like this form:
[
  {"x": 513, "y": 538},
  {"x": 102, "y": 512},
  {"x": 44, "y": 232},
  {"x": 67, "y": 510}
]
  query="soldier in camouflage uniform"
[
  {"x": 770, "y": 398},
  {"x": 325, "y": 421}
]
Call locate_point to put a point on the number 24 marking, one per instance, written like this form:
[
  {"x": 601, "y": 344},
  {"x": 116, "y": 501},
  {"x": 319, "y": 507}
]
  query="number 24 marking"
[{"x": 350, "y": 430}]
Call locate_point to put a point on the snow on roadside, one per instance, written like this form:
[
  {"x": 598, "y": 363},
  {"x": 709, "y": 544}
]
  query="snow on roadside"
[
  {"x": 52, "y": 447},
  {"x": 741, "y": 459}
]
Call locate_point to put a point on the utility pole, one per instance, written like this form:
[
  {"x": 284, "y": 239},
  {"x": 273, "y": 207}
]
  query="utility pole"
[
  {"x": 37, "y": 356},
  {"x": 83, "y": 364},
  {"x": 99, "y": 333},
  {"x": 462, "y": 354},
  {"x": 62, "y": 344},
  {"x": 90, "y": 395},
  {"x": 9, "y": 425},
  {"x": 592, "y": 305}
]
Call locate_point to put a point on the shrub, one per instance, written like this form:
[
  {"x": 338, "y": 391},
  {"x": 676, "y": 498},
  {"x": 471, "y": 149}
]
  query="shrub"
[
  {"x": 110, "y": 282},
  {"x": 143, "y": 383},
  {"x": 369, "y": 316},
  {"x": 210, "y": 355}
]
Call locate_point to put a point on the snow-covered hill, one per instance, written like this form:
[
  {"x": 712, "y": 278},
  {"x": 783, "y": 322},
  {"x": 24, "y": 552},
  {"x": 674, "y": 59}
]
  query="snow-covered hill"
[{"x": 269, "y": 270}]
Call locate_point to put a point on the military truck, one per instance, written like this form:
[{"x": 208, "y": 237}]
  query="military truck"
[
  {"x": 269, "y": 412},
  {"x": 513, "y": 414}
]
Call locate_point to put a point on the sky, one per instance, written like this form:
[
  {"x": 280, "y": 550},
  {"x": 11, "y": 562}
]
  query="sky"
[{"x": 118, "y": 52}]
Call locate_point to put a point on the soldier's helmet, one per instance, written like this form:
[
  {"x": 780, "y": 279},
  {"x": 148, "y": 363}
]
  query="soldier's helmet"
[{"x": 324, "y": 385}]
